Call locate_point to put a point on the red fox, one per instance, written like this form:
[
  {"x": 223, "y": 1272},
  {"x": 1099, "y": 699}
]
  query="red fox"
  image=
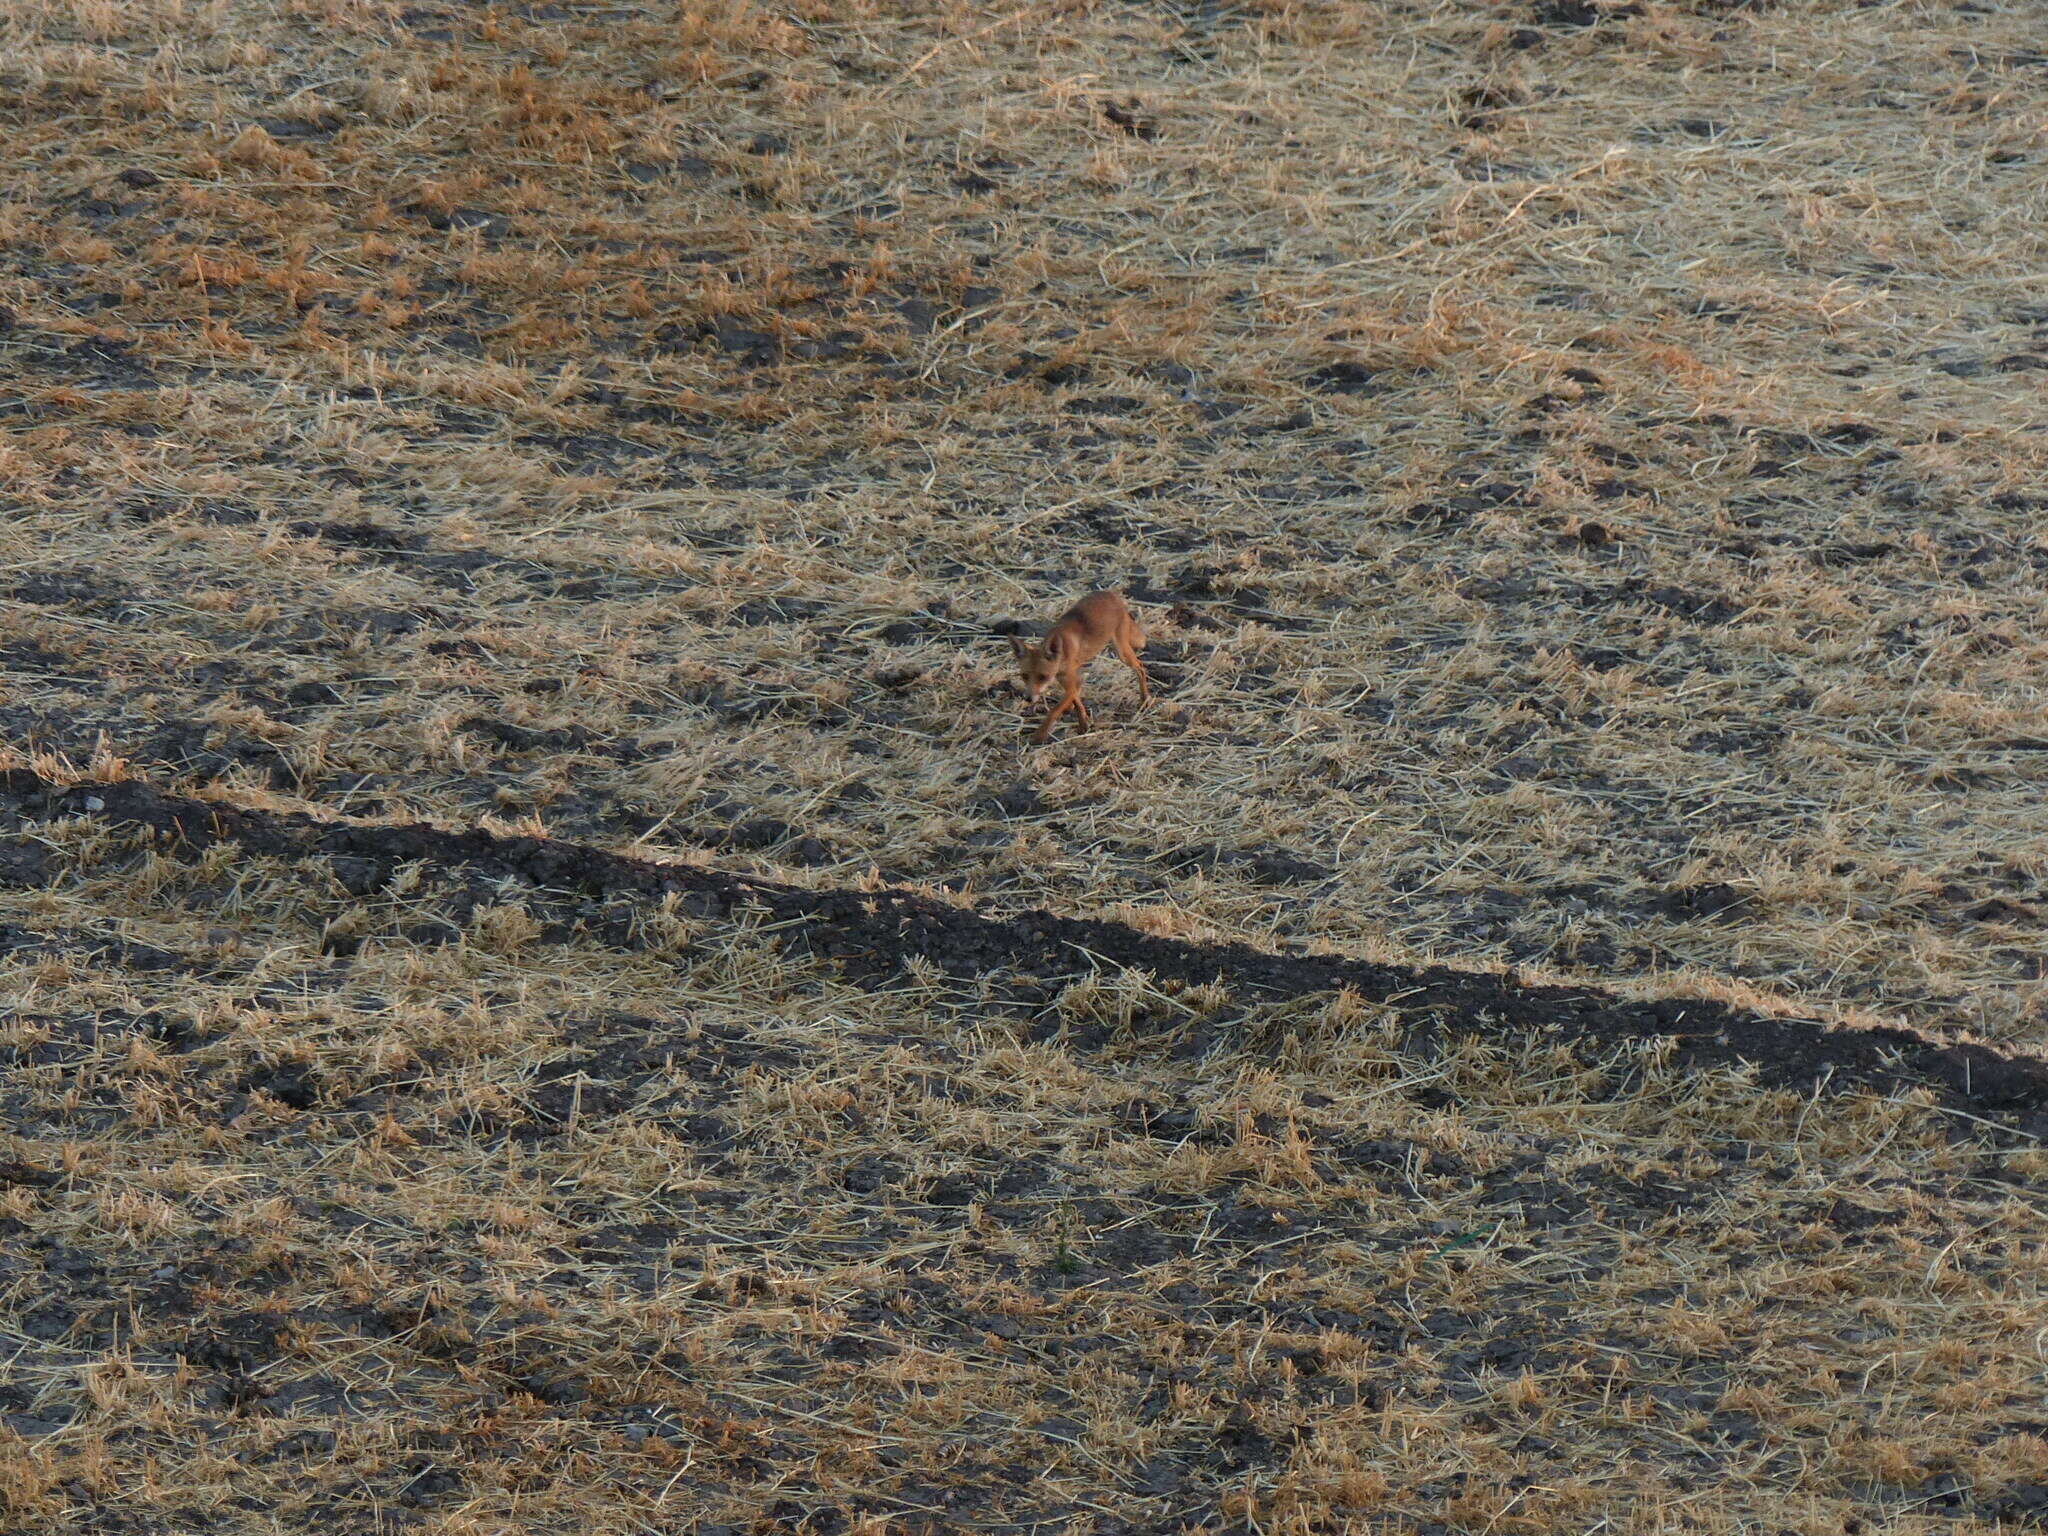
[{"x": 1099, "y": 619}]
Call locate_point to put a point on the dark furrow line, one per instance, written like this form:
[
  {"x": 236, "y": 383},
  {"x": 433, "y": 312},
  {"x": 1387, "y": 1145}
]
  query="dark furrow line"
[{"x": 869, "y": 934}]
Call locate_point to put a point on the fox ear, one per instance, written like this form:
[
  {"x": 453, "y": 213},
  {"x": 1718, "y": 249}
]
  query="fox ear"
[
  {"x": 1018, "y": 647},
  {"x": 1051, "y": 648}
]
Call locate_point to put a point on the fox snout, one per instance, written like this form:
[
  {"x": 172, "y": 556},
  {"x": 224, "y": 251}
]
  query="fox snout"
[{"x": 1034, "y": 674}]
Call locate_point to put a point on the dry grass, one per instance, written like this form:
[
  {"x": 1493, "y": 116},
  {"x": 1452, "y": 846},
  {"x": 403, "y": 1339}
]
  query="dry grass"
[
  {"x": 1764, "y": 332},
  {"x": 1581, "y": 472},
  {"x": 490, "y": 1235}
]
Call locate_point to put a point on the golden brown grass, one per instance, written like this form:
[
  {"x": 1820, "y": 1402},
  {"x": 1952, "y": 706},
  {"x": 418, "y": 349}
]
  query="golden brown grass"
[
  {"x": 489, "y": 1233},
  {"x": 1679, "y": 530},
  {"x": 1582, "y": 482}
]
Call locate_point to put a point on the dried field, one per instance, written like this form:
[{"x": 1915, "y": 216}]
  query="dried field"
[{"x": 546, "y": 989}]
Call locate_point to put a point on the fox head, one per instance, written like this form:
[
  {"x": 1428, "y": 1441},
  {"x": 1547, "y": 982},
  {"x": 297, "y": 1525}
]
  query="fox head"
[{"x": 1038, "y": 664}]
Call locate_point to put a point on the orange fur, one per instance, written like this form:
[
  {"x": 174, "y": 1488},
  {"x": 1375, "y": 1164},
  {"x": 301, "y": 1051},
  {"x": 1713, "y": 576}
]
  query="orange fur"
[{"x": 1100, "y": 619}]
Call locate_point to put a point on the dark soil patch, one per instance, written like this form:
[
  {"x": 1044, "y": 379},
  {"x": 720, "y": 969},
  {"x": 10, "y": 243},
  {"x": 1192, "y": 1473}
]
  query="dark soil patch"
[{"x": 872, "y": 933}]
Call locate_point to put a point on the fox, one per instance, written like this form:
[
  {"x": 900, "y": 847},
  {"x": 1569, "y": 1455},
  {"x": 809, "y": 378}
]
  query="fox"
[{"x": 1099, "y": 619}]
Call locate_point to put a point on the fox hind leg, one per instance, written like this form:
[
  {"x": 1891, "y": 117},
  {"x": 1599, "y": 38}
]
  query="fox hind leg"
[{"x": 1128, "y": 642}]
